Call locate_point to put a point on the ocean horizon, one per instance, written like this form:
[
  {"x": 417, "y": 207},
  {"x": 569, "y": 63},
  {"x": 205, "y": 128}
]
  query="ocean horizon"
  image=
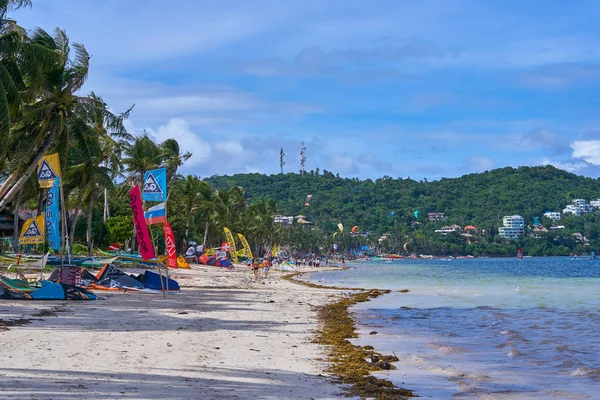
[{"x": 493, "y": 328}]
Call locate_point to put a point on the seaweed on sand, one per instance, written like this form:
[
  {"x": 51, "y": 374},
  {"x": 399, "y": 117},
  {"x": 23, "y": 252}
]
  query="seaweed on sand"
[{"x": 349, "y": 363}]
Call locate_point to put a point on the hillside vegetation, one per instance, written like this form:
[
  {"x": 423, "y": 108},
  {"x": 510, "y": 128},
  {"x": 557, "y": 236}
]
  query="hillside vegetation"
[{"x": 476, "y": 199}]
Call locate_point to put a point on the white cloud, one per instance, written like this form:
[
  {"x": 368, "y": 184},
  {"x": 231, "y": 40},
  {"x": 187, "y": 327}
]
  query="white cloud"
[
  {"x": 179, "y": 130},
  {"x": 479, "y": 164},
  {"x": 231, "y": 147},
  {"x": 588, "y": 150},
  {"x": 567, "y": 166}
]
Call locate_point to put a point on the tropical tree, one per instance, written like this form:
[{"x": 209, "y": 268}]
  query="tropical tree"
[
  {"x": 49, "y": 107},
  {"x": 190, "y": 192},
  {"x": 259, "y": 224},
  {"x": 172, "y": 157},
  {"x": 140, "y": 156}
]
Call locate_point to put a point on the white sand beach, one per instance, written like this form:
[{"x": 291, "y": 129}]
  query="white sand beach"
[{"x": 224, "y": 336}]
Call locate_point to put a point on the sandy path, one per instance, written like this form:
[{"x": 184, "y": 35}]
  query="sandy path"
[{"x": 223, "y": 337}]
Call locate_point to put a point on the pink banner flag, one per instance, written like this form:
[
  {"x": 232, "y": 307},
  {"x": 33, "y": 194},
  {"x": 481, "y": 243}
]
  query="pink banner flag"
[
  {"x": 141, "y": 229},
  {"x": 170, "y": 245}
]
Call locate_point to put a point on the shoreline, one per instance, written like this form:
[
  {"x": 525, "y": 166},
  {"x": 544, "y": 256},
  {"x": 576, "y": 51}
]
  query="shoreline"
[
  {"x": 349, "y": 362},
  {"x": 225, "y": 336}
]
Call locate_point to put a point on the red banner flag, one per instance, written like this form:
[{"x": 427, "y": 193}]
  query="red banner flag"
[
  {"x": 141, "y": 229},
  {"x": 170, "y": 245}
]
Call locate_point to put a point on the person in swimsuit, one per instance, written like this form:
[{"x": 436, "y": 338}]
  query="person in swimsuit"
[
  {"x": 255, "y": 267},
  {"x": 266, "y": 264}
]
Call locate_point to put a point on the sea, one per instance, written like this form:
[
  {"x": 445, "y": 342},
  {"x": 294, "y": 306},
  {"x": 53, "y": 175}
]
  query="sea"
[{"x": 483, "y": 328}]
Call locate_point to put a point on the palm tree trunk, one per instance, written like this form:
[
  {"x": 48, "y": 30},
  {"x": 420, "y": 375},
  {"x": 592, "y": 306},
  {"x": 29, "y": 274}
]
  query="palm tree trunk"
[
  {"x": 21, "y": 181},
  {"x": 88, "y": 235},
  {"x": 106, "y": 210},
  {"x": 204, "y": 241},
  {"x": 7, "y": 182},
  {"x": 73, "y": 225},
  {"x": 187, "y": 228},
  {"x": 40, "y": 204}
]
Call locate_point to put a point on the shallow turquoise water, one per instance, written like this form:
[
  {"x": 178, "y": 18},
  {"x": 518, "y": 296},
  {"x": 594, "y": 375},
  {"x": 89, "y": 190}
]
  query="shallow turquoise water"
[{"x": 485, "y": 328}]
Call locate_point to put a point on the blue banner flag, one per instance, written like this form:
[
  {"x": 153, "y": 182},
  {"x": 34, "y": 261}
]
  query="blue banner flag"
[
  {"x": 53, "y": 216},
  {"x": 155, "y": 185}
]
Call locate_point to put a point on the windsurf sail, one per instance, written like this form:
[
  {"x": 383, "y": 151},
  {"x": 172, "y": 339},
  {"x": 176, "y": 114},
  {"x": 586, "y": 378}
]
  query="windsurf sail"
[{"x": 520, "y": 253}]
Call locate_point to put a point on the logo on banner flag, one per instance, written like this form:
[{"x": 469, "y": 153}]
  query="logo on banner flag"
[
  {"x": 33, "y": 231},
  {"x": 155, "y": 185},
  {"x": 48, "y": 170}
]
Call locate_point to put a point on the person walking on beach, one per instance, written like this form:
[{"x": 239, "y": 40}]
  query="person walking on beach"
[
  {"x": 255, "y": 267},
  {"x": 266, "y": 265}
]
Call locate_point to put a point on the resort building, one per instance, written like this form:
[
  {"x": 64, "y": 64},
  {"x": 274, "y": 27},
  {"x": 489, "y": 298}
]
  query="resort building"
[
  {"x": 448, "y": 229},
  {"x": 279, "y": 219},
  {"x": 578, "y": 207},
  {"x": 513, "y": 227},
  {"x": 436, "y": 216},
  {"x": 553, "y": 215},
  {"x": 595, "y": 203},
  {"x": 538, "y": 232}
]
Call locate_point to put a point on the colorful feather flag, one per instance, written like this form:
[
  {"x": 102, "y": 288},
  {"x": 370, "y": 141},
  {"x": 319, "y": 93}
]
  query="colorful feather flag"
[{"x": 141, "y": 229}]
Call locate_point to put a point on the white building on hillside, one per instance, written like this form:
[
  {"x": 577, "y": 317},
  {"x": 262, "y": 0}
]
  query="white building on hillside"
[
  {"x": 280, "y": 219},
  {"x": 553, "y": 215},
  {"x": 514, "y": 227},
  {"x": 572, "y": 209},
  {"x": 595, "y": 203},
  {"x": 578, "y": 207}
]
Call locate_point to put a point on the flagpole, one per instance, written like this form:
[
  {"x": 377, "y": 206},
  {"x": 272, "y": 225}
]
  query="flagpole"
[{"x": 165, "y": 238}]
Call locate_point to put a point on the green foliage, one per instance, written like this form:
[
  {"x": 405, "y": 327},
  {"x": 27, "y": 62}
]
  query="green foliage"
[
  {"x": 119, "y": 229},
  {"x": 476, "y": 199}
]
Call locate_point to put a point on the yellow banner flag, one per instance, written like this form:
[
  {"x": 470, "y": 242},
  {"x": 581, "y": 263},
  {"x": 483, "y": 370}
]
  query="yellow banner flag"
[
  {"x": 33, "y": 231},
  {"x": 48, "y": 170},
  {"x": 231, "y": 241},
  {"x": 275, "y": 250},
  {"x": 246, "y": 246}
]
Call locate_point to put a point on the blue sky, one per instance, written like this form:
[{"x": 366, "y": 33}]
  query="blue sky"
[{"x": 426, "y": 89}]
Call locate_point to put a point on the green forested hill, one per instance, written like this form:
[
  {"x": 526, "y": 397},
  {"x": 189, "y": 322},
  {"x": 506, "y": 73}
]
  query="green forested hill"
[{"x": 475, "y": 199}]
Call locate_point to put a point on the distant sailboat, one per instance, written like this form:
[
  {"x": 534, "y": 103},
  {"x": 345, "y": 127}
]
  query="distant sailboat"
[{"x": 520, "y": 253}]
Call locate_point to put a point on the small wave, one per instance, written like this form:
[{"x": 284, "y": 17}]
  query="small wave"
[
  {"x": 509, "y": 332},
  {"x": 515, "y": 353},
  {"x": 562, "y": 348},
  {"x": 444, "y": 349},
  {"x": 447, "y": 371},
  {"x": 484, "y": 308},
  {"x": 583, "y": 371}
]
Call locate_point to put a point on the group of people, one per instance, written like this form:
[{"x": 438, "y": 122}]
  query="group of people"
[
  {"x": 266, "y": 265},
  {"x": 311, "y": 262}
]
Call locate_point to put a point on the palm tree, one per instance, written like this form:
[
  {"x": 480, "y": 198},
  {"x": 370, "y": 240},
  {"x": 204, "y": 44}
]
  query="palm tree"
[
  {"x": 190, "y": 191},
  {"x": 11, "y": 41},
  {"x": 259, "y": 219},
  {"x": 172, "y": 157},
  {"x": 140, "y": 156},
  {"x": 48, "y": 106}
]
